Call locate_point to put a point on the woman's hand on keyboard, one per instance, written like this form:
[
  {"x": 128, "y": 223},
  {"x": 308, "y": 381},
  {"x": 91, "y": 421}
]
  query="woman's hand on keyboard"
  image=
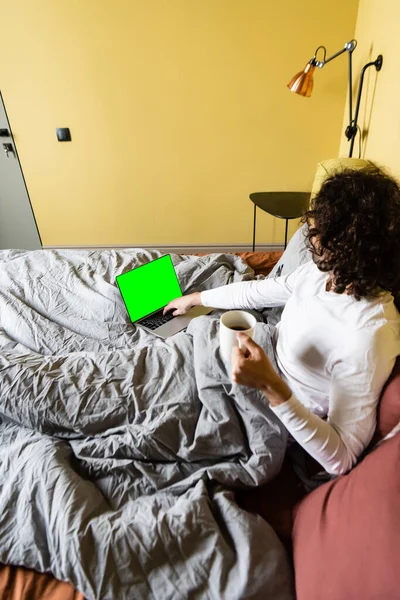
[{"x": 182, "y": 305}]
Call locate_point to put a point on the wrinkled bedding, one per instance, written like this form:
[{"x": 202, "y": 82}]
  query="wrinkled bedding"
[{"x": 118, "y": 450}]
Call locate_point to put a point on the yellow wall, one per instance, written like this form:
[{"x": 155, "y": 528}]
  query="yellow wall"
[
  {"x": 178, "y": 109},
  {"x": 377, "y": 32}
]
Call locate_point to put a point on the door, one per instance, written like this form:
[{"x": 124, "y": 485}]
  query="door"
[{"x": 17, "y": 222}]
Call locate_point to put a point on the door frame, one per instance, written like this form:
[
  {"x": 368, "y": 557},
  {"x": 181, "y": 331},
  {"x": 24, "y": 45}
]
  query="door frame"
[{"x": 20, "y": 166}]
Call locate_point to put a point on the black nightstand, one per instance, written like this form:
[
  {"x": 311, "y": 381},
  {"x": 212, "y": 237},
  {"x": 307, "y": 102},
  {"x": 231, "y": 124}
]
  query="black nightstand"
[{"x": 284, "y": 205}]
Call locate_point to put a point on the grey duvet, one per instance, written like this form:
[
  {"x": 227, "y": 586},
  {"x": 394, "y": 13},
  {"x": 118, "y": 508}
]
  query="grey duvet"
[{"x": 119, "y": 452}]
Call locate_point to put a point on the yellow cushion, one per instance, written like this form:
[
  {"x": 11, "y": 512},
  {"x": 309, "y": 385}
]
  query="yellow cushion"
[{"x": 332, "y": 165}]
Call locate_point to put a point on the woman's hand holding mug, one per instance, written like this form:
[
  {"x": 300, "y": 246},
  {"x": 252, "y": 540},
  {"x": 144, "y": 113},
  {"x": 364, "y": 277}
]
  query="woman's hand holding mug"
[{"x": 252, "y": 367}]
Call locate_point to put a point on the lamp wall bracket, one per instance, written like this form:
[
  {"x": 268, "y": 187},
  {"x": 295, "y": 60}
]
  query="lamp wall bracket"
[
  {"x": 351, "y": 130},
  {"x": 378, "y": 62}
]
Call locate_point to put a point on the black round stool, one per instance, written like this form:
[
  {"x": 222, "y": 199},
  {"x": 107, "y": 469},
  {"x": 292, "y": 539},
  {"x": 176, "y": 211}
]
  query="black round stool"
[{"x": 284, "y": 205}]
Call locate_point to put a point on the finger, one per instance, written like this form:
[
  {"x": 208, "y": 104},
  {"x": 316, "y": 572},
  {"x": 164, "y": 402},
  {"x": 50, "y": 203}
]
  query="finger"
[
  {"x": 238, "y": 366},
  {"x": 238, "y": 356},
  {"x": 238, "y": 352},
  {"x": 234, "y": 358},
  {"x": 167, "y": 308},
  {"x": 243, "y": 350},
  {"x": 237, "y": 376},
  {"x": 236, "y": 371},
  {"x": 248, "y": 342}
]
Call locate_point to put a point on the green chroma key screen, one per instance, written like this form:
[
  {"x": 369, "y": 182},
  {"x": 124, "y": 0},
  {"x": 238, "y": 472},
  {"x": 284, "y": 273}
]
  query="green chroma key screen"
[{"x": 149, "y": 287}]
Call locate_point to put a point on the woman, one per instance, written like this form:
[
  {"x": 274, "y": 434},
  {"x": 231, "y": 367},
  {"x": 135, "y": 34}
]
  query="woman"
[{"x": 339, "y": 334}]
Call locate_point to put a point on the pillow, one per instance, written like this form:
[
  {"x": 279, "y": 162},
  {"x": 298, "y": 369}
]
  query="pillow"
[
  {"x": 295, "y": 254},
  {"x": 261, "y": 262},
  {"x": 346, "y": 534},
  {"x": 334, "y": 165},
  {"x": 388, "y": 415}
]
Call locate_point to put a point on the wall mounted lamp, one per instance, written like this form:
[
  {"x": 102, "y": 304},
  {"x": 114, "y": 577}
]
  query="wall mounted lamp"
[{"x": 302, "y": 83}]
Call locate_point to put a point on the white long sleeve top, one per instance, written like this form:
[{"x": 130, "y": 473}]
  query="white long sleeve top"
[{"x": 335, "y": 353}]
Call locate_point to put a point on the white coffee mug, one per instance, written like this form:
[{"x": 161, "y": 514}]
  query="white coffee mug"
[{"x": 230, "y": 324}]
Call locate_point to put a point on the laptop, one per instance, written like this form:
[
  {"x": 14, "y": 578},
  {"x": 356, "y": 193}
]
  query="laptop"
[{"x": 147, "y": 289}]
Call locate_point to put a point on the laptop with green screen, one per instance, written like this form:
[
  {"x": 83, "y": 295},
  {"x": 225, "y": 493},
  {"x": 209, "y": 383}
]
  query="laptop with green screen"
[{"x": 147, "y": 289}]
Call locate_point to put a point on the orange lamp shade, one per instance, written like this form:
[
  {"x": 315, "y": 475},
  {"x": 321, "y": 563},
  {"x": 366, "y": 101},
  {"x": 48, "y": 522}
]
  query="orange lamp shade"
[{"x": 302, "y": 83}]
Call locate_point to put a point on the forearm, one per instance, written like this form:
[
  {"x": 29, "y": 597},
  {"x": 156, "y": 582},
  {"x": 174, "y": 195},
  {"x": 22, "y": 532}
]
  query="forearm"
[
  {"x": 195, "y": 299},
  {"x": 256, "y": 294},
  {"x": 315, "y": 435},
  {"x": 225, "y": 298},
  {"x": 276, "y": 390}
]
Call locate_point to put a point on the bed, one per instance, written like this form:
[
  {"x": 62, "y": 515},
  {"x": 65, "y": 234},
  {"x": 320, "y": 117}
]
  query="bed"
[{"x": 120, "y": 493}]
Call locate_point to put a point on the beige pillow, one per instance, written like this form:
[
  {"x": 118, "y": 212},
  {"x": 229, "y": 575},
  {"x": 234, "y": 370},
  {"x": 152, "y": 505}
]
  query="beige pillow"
[{"x": 332, "y": 165}]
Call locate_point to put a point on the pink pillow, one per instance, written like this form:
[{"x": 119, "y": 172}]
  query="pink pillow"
[
  {"x": 389, "y": 406},
  {"x": 346, "y": 535}
]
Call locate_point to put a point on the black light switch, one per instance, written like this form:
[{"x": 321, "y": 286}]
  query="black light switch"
[{"x": 63, "y": 134}]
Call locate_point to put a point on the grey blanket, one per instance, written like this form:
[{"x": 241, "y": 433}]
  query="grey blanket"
[{"x": 119, "y": 451}]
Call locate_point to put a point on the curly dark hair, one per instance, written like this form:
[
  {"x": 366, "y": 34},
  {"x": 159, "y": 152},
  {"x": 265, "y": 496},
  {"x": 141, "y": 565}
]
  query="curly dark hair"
[{"x": 354, "y": 231}]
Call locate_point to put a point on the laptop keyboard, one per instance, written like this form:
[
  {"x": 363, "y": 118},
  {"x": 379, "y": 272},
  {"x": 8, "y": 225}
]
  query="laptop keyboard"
[{"x": 156, "y": 320}]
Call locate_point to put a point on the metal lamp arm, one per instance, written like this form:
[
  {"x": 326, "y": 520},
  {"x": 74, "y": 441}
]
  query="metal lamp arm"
[
  {"x": 326, "y": 60},
  {"x": 348, "y": 47}
]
